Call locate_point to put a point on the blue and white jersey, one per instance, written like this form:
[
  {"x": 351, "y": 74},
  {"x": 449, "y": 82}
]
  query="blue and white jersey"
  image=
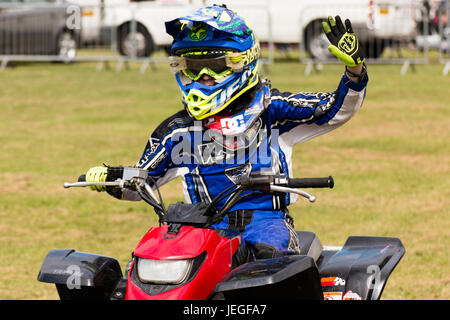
[{"x": 208, "y": 155}]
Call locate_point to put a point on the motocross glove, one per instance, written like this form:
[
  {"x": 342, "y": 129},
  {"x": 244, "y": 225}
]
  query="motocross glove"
[
  {"x": 114, "y": 173},
  {"x": 102, "y": 174},
  {"x": 344, "y": 44},
  {"x": 97, "y": 174}
]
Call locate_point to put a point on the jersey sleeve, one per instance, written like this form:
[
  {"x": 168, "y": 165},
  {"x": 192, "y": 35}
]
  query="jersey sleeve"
[
  {"x": 303, "y": 116},
  {"x": 156, "y": 157}
]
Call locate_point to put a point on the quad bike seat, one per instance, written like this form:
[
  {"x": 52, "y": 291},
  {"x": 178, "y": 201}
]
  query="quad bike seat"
[{"x": 310, "y": 244}]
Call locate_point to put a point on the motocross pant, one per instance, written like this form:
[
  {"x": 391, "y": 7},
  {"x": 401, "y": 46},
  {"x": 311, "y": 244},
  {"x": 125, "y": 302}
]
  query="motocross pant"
[{"x": 268, "y": 234}]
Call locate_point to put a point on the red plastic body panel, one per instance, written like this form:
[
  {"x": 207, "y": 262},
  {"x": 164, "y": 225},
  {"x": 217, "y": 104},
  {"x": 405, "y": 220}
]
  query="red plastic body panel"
[{"x": 190, "y": 242}]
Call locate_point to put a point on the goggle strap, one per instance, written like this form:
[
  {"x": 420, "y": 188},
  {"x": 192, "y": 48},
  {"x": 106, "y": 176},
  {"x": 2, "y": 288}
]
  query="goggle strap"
[{"x": 177, "y": 64}]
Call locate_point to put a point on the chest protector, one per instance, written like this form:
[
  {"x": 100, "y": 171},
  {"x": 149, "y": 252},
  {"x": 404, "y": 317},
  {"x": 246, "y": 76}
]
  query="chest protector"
[{"x": 240, "y": 130}]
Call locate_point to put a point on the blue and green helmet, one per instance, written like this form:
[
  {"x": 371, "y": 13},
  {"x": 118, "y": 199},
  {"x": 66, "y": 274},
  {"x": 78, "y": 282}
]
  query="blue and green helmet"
[{"x": 218, "y": 42}]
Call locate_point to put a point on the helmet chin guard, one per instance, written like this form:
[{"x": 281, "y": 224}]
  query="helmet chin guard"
[{"x": 203, "y": 101}]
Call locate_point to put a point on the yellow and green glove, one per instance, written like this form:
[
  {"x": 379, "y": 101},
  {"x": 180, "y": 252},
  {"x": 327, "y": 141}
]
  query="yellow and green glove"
[
  {"x": 344, "y": 44},
  {"x": 105, "y": 174},
  {"x": 97, "y": 174}
]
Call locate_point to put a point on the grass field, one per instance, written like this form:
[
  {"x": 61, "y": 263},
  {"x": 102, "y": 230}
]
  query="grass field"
[{"x": 391, "y": 165}]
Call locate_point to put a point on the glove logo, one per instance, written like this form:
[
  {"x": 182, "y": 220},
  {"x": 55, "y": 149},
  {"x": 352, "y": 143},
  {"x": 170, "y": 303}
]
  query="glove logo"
[{"x": 348, "y": 44}]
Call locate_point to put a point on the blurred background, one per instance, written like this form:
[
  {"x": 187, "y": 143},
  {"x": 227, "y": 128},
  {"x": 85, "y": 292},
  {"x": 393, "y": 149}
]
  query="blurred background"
[
  {"x": 85, "y": 82},
  {"x": 391, "y": 31}
]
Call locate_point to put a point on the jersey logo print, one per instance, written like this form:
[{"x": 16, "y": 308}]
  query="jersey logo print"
[{"x": 235, "y": 173}]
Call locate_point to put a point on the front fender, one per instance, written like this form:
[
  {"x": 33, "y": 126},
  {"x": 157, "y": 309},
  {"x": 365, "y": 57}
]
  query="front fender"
[{"x": 79, "y": 275}]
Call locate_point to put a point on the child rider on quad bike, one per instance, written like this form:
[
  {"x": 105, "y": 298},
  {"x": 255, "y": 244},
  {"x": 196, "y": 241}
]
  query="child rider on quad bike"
[{"x": 233, "y": 123}]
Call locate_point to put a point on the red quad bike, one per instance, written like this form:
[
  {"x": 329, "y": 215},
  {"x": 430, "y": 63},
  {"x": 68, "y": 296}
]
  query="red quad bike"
[{"x": 184, "y": 258}]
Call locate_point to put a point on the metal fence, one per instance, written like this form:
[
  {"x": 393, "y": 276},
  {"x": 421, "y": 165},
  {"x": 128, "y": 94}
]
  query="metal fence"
[
  {"x": 443, "y": 38},
  {"x": 392, "y": 32},
  {"x": 67, "y": 32}
]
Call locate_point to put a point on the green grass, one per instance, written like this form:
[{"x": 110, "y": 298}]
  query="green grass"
[{"x": 391, "y": 165}]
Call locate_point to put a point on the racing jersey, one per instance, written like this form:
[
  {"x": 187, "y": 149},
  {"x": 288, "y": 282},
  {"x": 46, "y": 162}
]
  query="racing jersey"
[{"x": 210, "y": 155}]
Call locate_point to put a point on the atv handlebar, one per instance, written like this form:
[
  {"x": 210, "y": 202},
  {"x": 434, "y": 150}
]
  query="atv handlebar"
[
  {"x": 265, "y": 181},
  {"x": 137, "y": 179},
  {"x": 280, "y": 183},
  {"x": 311, "y": 182}
]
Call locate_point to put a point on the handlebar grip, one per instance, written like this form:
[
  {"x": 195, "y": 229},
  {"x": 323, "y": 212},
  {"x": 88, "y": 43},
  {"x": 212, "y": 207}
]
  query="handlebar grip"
[
  {"x": 311, "y": 182},
  {"x": 82, "y": 178}
]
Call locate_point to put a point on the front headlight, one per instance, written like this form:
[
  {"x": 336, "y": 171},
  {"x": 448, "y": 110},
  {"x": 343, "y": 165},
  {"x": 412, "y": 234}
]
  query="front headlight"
[{"x": 163, "y": 271}]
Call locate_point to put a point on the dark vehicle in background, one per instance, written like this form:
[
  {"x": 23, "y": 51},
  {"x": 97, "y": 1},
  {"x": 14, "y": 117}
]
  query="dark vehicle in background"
[{"x": 39, "y": 27}]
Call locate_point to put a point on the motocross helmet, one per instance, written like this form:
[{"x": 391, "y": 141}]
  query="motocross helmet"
[{"x": 214, "y": 41}]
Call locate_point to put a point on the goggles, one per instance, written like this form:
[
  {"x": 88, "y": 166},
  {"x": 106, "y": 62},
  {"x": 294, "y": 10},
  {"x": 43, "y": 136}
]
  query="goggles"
[
  {"x": 196, "y": 63},
  {"x": 194, "y": 75}
]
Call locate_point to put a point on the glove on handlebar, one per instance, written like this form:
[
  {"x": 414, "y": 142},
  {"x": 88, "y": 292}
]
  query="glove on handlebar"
[
  {"x": 114, "y": 173},
  {"x": 344, "y": 44},
  {"x": 97, "y": 174},
  {"x": 103, "y": 174}
]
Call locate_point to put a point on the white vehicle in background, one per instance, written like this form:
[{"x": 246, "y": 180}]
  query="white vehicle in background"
[
  {"x": 292, "y": 22},
  {"x": 92, "y": 16},
  {"x": 108, "y": 22},
  {"x": 90, "y": 19},
  {"x": 376, "y": 22}
]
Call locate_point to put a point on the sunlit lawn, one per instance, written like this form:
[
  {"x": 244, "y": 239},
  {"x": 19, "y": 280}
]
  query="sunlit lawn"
[{"x": 390, "y": 163}]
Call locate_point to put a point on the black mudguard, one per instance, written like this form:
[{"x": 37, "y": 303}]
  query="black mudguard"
[
  {"x": 79, "y": 275},
  {"x": 360, "y": 269},
  {"x": 292, "y": 277}
]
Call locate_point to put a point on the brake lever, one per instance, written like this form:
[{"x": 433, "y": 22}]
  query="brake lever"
[
  {"x": 117, "y": 183},
  {"x": 302, "y": 193}
]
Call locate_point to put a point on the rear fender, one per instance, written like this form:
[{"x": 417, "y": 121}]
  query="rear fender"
[
  {"x": 360, "y": 269},
  {"x": 79, "y": 275}
]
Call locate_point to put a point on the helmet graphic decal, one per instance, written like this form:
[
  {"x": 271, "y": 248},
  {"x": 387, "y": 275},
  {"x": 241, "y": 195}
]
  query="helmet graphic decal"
[{"x": 198, "y": 33}]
